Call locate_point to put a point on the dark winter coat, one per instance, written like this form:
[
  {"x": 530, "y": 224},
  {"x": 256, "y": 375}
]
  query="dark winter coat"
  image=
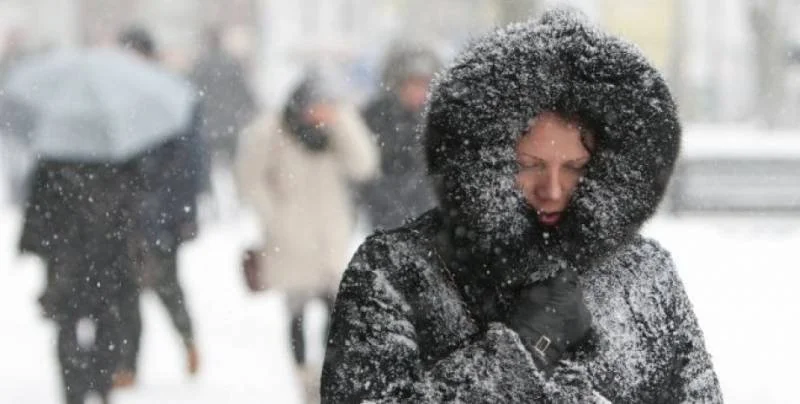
[
  {"x": 403, "y": 190},
  {"x": 71, "y": 202},
  {"x": 171, "y": 177},
  {"x": 419, "y": 314},
  {"x": 227, "y": 101},
  {"x": 79, "y": 218}
]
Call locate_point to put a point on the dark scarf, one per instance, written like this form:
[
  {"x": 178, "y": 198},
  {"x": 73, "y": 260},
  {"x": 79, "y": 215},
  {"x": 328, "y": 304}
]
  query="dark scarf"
[
  {"x": 311, "y": 90},
  {"x": 315, "y": 138}
]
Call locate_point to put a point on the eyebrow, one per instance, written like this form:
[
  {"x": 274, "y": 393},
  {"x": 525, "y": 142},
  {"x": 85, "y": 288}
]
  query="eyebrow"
[
  {"x": 530, "y": 155},
  {"x": 580, "y": 160},
  {"x": 577, "y": 160}
]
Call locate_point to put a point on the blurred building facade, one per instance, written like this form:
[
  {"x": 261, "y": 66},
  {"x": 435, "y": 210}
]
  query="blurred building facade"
[
  {"x": 727, "y": 60},
  {"x": 39, "y": 24}
]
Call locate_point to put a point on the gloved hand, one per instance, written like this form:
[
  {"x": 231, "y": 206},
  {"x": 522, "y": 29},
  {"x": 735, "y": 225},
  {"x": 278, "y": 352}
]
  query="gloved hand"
[{"x": 550, "y": 318}]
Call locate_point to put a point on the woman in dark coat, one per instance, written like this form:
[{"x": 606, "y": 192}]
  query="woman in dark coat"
[{"x": 550, "y": 144}]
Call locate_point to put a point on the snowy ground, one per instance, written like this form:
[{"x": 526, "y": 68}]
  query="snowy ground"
[
  {"x": 740, "y": 274},
  {"x": 241, "y": 336}
]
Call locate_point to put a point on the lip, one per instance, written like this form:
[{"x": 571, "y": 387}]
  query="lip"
[{"x": 549, "y": 218}]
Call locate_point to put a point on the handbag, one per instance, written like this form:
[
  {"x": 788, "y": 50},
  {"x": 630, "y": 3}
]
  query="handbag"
[{"x": 252, "y": 262}]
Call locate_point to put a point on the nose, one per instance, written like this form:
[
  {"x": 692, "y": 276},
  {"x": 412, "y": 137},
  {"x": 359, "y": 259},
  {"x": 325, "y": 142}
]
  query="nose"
[{"x": 549, "y": 188}]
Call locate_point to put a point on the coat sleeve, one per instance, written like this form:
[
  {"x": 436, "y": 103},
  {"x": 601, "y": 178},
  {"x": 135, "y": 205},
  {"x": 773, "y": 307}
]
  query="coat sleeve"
[
  {"x": 691, "y": 377},
  {"x": 355, "y": 146},
  {"x": 373, "y": 356},
  {"x": 254, "y": 164},
  {"x": 181, "y": 176}
]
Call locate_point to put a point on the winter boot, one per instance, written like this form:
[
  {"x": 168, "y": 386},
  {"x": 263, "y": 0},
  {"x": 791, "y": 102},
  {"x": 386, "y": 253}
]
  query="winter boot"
[
  {"x": 124, "y": 378},
  {"x": 192, "y": 359}
]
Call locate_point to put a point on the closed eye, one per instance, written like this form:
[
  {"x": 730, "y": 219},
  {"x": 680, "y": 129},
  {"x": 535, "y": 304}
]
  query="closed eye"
[
  {"x": 532, "y": 165},
  {"x": 577, "y": 165}
]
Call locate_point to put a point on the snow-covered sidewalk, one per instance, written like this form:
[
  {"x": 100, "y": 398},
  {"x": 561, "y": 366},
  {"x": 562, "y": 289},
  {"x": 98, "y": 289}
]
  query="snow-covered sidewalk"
[
  {"x": 740, "y": 273},
  {"x": 242, "y": 337}
]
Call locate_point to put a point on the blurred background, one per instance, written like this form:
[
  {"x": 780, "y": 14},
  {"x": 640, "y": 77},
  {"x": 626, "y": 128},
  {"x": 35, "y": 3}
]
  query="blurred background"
[
  {"x": 730, "y": 218},
  {"x": 729, "y": 61}
]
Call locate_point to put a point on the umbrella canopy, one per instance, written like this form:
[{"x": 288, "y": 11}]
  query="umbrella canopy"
[{"x": 99, "y": 105}]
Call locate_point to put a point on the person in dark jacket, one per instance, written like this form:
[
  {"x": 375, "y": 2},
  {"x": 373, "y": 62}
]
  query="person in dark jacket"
[
  {"x": 165, "y": 218},
  {"x": 550, "y": 143},
  {"x": 78, "y": 219},
  {"x": 227, "y": 105},
  {"x": 402, "y": 191},
  {"x": 228, "y": 102}
]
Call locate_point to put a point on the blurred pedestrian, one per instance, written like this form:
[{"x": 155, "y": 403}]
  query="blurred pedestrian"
[
  {"x": 296, "y": 171},
  {"x": 394, "y": 115},
  {"x": 139, "y": 41},
  {"x": 165, "y": 218},
  {"x": 550, "y": 143},
  {"x": 78, "y": 220},
  {"x": 227, "y": 100},
  {"x": 86, "y": 192},
  {"x": 227, "y": 105}
]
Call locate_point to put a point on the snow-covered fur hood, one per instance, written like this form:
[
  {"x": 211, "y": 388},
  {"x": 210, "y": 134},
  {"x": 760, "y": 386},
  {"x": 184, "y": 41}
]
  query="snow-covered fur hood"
[{"x": 482, "y": 104}]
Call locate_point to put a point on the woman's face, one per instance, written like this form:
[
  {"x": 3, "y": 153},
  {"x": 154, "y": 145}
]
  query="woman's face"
[
  {"x": 321, "y": 114},
  {"x": 413, "y": 93},
  {"x": 551, "y": 157}
]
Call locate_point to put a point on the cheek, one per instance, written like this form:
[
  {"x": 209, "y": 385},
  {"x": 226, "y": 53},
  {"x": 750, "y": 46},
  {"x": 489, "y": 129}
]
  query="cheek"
[
  {"x": 415, "y": 95},
  {"x": 526, "y": 181},
  {"x": 569, "y": 182}
]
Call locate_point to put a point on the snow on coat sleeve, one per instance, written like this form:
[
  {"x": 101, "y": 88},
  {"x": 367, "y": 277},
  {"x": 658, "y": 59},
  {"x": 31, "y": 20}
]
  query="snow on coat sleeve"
[
  {"x": 692, "y": 378},
  {"x": 373, "y": 353}
]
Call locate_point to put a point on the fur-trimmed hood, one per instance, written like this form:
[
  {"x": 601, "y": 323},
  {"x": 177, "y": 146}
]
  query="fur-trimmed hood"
[{"x": 482, "y": 104}]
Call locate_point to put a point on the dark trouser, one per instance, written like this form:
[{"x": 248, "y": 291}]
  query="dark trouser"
[
  {"x": 86, "y": 309},
  {"x": 297, "y": 326},
  {"x": 162, "y": 267},
  {"x": 87, "y": 369}
]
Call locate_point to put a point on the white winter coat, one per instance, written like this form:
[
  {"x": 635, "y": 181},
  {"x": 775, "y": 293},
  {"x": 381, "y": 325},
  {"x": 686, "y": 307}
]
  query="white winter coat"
[{"x": 303, "y": 199}]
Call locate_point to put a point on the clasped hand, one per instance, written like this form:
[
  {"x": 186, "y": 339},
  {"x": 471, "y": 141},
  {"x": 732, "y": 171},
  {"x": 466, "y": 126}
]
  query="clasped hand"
[{"x": 551, "y": 318}]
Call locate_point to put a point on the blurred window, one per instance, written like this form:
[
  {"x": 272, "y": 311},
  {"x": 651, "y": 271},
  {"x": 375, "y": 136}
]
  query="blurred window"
[{"x": 737, "y": 184}]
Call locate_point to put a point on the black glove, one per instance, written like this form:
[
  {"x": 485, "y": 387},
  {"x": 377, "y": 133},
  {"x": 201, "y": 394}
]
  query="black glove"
[{"x": 550, "y": 318}]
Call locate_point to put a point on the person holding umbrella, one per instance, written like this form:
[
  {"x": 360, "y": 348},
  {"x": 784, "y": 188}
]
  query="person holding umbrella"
[
  {"x": 165, "y": 218},
  {"x": 97, "y": 113}
]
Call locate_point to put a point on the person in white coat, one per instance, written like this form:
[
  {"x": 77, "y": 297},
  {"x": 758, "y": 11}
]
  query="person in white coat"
[{"x": 296, "y": 170}]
